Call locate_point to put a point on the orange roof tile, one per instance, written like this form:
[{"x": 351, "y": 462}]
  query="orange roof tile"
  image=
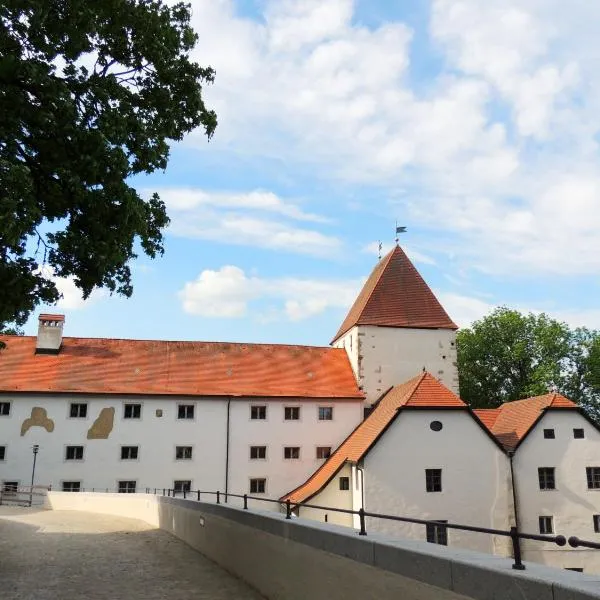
[
  {"x": 113, "y": 366},
  {"x": 423, "y": 390},
  {"x": 512, "y": 421},
  {"x": 395, "y": 295}
]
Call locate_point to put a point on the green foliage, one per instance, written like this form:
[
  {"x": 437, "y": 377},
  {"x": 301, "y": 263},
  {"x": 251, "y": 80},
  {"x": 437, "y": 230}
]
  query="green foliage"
[
  {"x": 508, "y": 355},
  {"x": 90, "y": 94}
]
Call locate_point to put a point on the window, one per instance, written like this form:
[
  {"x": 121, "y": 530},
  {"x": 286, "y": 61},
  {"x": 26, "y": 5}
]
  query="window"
[
  {"x": 323, "y": 451},
  {"x": 257, "y": 452},
  {"x": 183, "y": 453},
  {"x": 129, "y": 452},
  {"x": 2, "y": 452},
  {"x": 126, "y": 487},
  {"x": 578, "y": 434},
  {"x": 433, "y": 480},
  {"x": 71, "y": 486},
  {"x": 593, "y": 477},
  {"x": 546, "y": 525},
  {"x": 258, "y": 486},
  {"x": 4, "y": 409},
  {"x": 576, "y": 569},
  {"x": 133, "y": 411},
  {"x": 182, "y": 485},
  {"x": 549, "y": 434},
  {"x": 546, "y": 477},
  {"x": 74, "y": 453},
  {"x": 10, "y": 487},
  {"x": 435, "y": 425},
  {"x": 292, "y": 413},
  {"x": 596, "y": 523},
  {"x": 344, "y": 483},
  {"x": 78, "y": 411},
  {"x": 185, "y": 411},
  {"x": 258, "y": 413},
  {"x": 437, "y": 533},
  {"x": 325, "y": 413},
  {"x": 291, "y": 452}
]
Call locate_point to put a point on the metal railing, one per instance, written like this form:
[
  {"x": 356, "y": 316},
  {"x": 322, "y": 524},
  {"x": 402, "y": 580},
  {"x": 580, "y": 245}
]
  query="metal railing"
[
  {"x": 23, "y": 495},
  {"x": 513, "y": 533}
]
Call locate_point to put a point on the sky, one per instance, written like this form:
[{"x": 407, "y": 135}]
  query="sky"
[{"x": 474, "y": 124}]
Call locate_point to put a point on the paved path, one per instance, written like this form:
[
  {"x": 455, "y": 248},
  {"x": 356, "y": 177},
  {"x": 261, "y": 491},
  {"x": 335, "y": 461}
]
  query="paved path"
[{"x": 56, "y": 555}]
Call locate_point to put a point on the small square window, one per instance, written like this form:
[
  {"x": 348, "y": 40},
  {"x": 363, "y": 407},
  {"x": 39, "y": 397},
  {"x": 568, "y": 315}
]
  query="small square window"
[
  {"x": 78, "y": 410},
  {"x": 578, "y": 434},
  {"x": 437, "y": 533},
  {"x": 258, "y": 413},
  {"x": 292, "y": 413},
  {"x": 258, "y": 486},
  {"x": 126, "y": 487},
  {"x": 291, "y": 452},
  {"x": 133, "y": 411},
  {"x": 546, "y": 525},
  {"x": 185, "y": 411},
  {"x": 129, "y": 452},
  {"x": 74, "y": 453},
  {"x": 593, "y": 477},
  {"x": 10, "y": 487},
  {"x": 546, "y": 478},
  {"x": 2, "y": 452},
  {"x": 323, "y": 451},
  {"x": 549, "y": 434},
  {"x": 325, "y": 413},
  {"x": 344, "y": 483},
  {"x": 258, "y": 452},
  {"x": 596, "y": 523},
  {"x": 71, "y": 486},
  {"x": 183, "y": 453},
  {"x": 433, "y": 480},
  {"x": 182, "y": 485},
  {"x": 4, "y": 409}
]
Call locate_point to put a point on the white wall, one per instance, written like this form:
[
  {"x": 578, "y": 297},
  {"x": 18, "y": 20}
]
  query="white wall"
[
  {"x": 382, "y": 357},
  {"x": 572, "y": 505}
]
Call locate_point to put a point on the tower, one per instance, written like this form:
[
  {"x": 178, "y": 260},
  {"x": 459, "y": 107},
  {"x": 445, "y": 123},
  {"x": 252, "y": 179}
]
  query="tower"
[{"x": 396, "y": 328}]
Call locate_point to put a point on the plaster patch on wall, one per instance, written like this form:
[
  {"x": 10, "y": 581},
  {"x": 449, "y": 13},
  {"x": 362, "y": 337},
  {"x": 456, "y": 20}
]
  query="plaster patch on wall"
[
  {"x": 103, "y": 425},
  {"x": 39, "y": 418}
]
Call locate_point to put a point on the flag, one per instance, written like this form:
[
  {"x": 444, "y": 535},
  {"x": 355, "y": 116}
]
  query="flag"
[{"x": 400, "y": 229}]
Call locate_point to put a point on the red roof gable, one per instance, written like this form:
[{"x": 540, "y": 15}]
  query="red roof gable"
[
  {"x": 395, "y": 295},
  {"x": 112, "y": 366}
]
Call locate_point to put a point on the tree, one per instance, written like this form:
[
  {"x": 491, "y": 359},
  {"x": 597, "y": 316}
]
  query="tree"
[
  {"x": 508, "y": 356},
  {"x": 90, "y": 95}
]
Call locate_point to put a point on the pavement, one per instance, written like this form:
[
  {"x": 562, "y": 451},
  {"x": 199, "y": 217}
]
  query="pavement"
[{"x": 56, "y": 555}]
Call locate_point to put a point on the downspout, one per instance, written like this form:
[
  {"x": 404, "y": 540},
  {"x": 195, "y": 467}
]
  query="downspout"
[
  {"x": 362, "y": 485},
  {"x": 511, "y": 453},
  {"x": 227, "y": 450}
]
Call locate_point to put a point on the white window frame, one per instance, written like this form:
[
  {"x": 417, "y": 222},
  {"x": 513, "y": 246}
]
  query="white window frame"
[
  {"x": 87, "y": 411},
  {"x": 258, "y": 446},
  {"x": 292, "y": 406},
  {"x": 256, "y": 405},
  {"x": 186, "y": 404},
  {"x": 257, "y": 478},
  {"x": 3, "y": 458},
  {"x": 126, "y": 404},
  {"x": 9, "y": 402},
  {"x": 129, "y": 446},
  {"x": 191, "y": 458},
  {"x": 72, "y": 460},
  {"x": 118, "y": 487},
  {"x": 330, "y": 407},
  {"x": 62, "y": 485},
  {"x": 292, "y": 448}
]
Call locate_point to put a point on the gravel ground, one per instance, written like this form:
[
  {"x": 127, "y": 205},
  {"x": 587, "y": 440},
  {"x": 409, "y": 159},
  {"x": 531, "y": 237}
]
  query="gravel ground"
[{"x": 56, "y": 555}]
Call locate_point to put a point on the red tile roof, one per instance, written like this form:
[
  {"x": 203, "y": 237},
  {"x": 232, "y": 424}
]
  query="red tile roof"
[
  {"x": 423, "y": 390},
  {"x": 395, "y": 295},
  {"x": 112, "y": 366},
  {"x": 512, "y": 421}
]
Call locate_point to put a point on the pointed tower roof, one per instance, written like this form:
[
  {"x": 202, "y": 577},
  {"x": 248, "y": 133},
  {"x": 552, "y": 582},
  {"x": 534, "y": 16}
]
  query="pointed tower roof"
[{"x": 395, "y": 295}]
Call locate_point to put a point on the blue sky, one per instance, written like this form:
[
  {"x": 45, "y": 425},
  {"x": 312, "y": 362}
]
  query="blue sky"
[{"x": 475, "y": 124}]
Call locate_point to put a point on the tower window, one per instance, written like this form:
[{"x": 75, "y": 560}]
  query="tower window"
[{"x": 549, "y": 434}]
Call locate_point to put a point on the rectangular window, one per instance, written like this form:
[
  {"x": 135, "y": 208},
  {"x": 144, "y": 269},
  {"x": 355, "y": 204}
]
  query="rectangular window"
[
  {"x": 546, "y": 478},
  {"x": 71, "y": 486},
  {"x": 257, "y": 452},
  {"x": 258, "y": 486},
  {"x": 291, "y": 452},
  {"x": 292, "y": 413},
  {"x": 133, "y": 411},
  {"x": 182, "y": 485},
  {"x": 10, "y": 487},
  {"x": 2, "y": 452},
  {"x": 593, "y": 477},
  {"x": 576, "y": 569},
  {"x": 185, "y": 411},
  {"x": 433, "y": 480},
  {"x": 126, "y": 487},
  {"x": 78, "y": 410},
  {"x": 4, "y": 409},
  {"x": 437, "y": 533},
  {"x": 258, "y": 413},
  {"x": 325, "y": 413},
  {"x": 546, "y": 525},
  {"x": 344, "y": 483},
  {"x": 549, "y": 434},
  {"x": 74, "y": 453},
  {"x": 129, "y": 452},
  {"x": 596, "y": 523},
  {"x": 323, "y": 451},
  {"x": 578, "y": 434},
  {"x": 183, "y": 453}
]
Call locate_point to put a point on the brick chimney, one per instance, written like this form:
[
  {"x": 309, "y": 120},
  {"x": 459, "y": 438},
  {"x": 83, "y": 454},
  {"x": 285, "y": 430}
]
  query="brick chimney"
[{"x": 50, "y": 330}]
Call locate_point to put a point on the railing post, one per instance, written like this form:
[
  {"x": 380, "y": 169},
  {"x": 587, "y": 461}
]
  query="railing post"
[
  {"x": 218, "y": 497},
  {"x": 245, "y": 501},
  {"x": 361, "y": 516},
  {"x": 198, "y": 495},
  {"x": 184, "y": 492},
  {"x": 516, "y": 543},
  {"x": 155, "y": 491},
  {"x": 163, "y": 491},
  {"x": 288, "y": 509}
]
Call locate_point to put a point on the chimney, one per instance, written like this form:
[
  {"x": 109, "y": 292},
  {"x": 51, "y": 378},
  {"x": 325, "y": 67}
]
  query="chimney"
[{"x": 49, "y": 338}]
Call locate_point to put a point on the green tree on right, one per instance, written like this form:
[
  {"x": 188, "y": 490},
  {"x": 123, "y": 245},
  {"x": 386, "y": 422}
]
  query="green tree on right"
[{"x": 509, "y": 355}]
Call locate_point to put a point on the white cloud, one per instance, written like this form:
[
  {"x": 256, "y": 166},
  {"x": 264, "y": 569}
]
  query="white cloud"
[{"x": 71, "y": 296}]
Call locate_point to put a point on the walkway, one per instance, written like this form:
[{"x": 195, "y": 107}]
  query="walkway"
[{"x": 49, "y": 555}]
